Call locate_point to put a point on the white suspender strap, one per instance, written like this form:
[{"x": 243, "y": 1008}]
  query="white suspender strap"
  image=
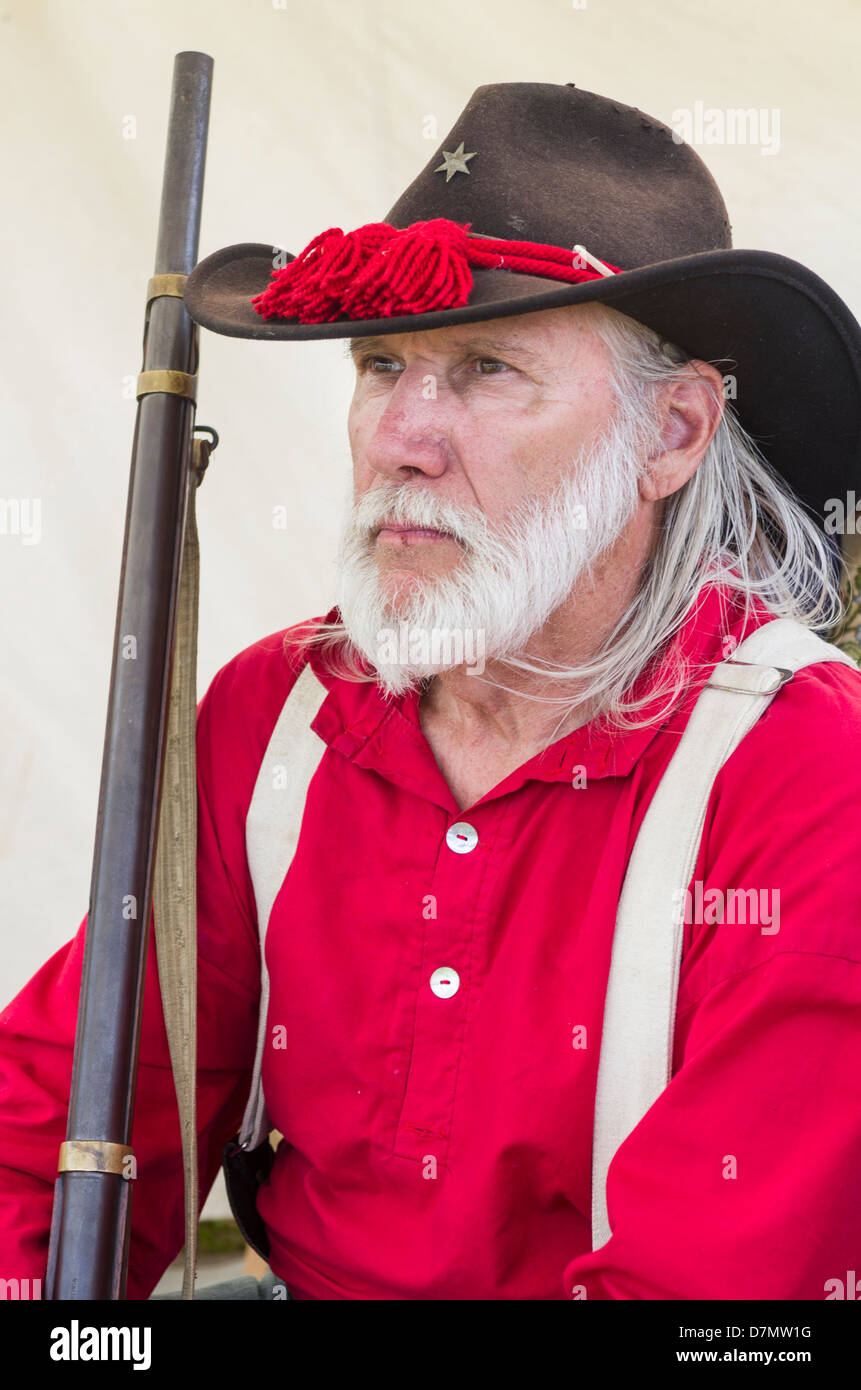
[
  {"x": 272, "y": 830},
  {"x": 639, "y": 1012}
]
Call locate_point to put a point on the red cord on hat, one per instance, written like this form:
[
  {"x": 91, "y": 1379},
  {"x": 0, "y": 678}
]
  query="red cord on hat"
[{"x": 380, "y": 271}]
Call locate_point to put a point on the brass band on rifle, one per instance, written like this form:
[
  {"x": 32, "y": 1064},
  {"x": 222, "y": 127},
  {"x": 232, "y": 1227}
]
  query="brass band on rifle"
[
  {"x": 171, "y": 382},
  {"x": 160, "y": 285},
  {"x": 93, "y": 1156}
]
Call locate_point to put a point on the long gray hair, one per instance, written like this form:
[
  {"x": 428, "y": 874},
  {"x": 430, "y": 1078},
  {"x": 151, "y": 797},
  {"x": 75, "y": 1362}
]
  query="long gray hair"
[{"x": 734, "y": 523}]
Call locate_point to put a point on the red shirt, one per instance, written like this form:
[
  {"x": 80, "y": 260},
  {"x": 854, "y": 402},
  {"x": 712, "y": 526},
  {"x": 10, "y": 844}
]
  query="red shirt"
[{"x": 438, "y": 1143}]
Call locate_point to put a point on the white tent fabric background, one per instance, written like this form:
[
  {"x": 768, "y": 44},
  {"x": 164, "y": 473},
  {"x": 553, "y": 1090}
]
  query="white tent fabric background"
[{"x": 320, "y": 117}]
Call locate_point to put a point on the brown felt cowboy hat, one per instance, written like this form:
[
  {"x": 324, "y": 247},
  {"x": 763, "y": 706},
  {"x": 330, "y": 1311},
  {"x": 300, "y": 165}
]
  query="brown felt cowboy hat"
[{"x": 587, "y": 200}]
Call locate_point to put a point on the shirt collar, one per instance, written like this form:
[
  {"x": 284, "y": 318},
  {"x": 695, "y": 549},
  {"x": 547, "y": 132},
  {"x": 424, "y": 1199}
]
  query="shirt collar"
[{"x": 357, "y": 720}]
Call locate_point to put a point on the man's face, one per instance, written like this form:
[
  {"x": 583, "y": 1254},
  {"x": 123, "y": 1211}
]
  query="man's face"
[
  {"x": 480, "y": 416},
  {"x": 487, "y": 479}
]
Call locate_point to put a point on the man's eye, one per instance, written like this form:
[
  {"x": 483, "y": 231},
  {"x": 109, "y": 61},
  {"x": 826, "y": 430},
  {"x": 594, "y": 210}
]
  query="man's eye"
[
  {"x": 368, "y": 364},
  {"x": 492, "y": 362}
]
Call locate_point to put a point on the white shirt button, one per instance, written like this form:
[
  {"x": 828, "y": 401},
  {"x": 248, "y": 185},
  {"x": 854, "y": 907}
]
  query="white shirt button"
[
  {"x": 445, "y": 982},
  {"x": 461, "y": 837}
]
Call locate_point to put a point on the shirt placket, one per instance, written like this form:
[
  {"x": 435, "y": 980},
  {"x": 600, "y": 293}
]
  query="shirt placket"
[{"x": 447, "y": 982}]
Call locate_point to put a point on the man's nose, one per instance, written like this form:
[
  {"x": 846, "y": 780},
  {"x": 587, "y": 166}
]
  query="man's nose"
[{"x": 412, "y": 434}]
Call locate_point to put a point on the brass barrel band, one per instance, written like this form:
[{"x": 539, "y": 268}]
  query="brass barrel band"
[
  {"x": 168, "y": 381},
  {"x": 94, "y": 1156},
  {"x": 160, "y": 285}
]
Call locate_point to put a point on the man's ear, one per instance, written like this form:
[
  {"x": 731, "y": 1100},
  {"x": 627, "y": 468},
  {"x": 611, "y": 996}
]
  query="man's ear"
[{"x": 690, "y": 410}]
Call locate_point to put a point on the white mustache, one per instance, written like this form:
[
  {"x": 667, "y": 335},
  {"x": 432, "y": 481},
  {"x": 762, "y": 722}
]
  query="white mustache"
[{"x": 407, "y": 506}]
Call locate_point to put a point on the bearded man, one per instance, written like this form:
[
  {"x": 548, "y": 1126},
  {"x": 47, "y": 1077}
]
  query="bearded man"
[{"x": 557, "y": 507}]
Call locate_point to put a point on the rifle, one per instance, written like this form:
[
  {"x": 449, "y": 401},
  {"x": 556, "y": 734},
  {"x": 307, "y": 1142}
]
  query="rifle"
[{"x": 90, "y": 1225}]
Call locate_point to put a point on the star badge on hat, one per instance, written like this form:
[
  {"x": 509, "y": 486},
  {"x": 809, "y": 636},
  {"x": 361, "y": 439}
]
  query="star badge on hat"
[{"x": 454, "y": 162}]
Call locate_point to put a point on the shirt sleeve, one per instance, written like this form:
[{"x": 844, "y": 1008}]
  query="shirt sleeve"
[
  {"x": 741, "y": 1181},
  {"x": 37, "y": 1033}
]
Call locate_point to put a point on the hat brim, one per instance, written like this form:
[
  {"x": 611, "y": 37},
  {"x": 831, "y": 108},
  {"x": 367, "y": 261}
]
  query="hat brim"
[{"x": 791, "y": 345}]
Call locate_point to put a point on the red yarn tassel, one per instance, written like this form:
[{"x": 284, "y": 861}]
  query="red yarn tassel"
[
  {"x": 422, "y": 267},
  {"x": 292, "y": 285},
  {"x": 310, "y": 287}
]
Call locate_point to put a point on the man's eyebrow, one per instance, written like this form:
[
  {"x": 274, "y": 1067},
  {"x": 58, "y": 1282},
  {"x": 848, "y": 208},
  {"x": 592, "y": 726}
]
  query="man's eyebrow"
[
  {"x": 358, "y": 345},
  {"x": 488, "y": 343}
]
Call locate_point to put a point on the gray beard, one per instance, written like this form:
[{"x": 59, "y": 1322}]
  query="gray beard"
[{"x": 509, "y": 581}]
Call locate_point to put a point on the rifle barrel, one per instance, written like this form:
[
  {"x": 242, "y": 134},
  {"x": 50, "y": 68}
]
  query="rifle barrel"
[{"x": 91, "y": 1217}]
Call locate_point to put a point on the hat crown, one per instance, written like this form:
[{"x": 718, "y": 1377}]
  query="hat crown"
[{"x": 551, "y": 163}]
